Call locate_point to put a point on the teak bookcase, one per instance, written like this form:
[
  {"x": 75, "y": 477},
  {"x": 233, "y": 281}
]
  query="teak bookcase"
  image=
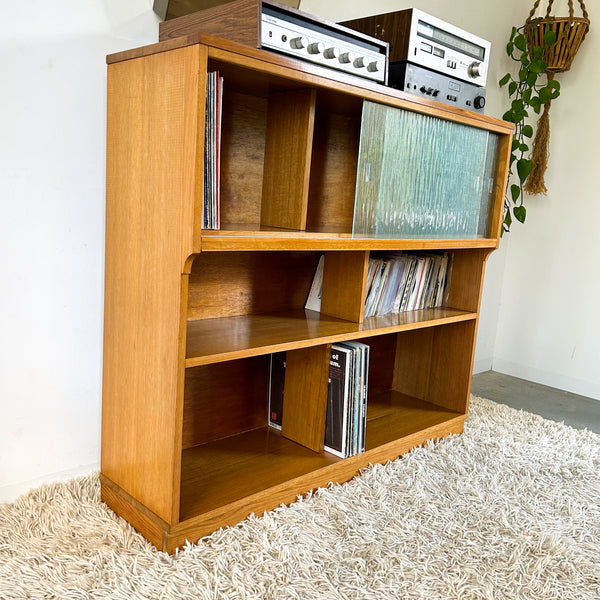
[{"x": 191, "y": 316}]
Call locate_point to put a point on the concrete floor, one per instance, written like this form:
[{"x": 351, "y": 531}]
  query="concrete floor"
[{"x": 578, "y": 411}]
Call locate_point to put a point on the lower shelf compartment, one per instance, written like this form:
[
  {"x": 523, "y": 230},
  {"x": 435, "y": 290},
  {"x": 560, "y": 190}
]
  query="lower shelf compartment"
[
  {"x": 261, "y": 463},
  {"x": 225, "y": 481}
]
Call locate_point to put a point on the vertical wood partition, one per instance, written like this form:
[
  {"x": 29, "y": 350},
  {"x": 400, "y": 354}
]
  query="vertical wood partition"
[
  {"x": 344, "y": 285},
  {"x": 288, "y": 151},
  {"x": 305, "y": 394}
]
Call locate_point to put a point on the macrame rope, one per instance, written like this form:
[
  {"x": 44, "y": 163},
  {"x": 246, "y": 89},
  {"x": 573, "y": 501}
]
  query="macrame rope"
[{"x": 535, "y": 183}]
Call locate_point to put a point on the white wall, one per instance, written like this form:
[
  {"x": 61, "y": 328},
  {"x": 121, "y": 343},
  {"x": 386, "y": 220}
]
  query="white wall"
[
  {"x": 549, "y": 323},
  {"x": 52, "y": 156}
]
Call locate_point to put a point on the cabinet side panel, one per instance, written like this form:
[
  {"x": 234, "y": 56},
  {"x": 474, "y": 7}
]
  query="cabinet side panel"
[{"x": 151, "y": 149}]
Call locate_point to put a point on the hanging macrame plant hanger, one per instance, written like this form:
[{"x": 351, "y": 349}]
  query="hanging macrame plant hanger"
[{"x": 570, "y": 32}]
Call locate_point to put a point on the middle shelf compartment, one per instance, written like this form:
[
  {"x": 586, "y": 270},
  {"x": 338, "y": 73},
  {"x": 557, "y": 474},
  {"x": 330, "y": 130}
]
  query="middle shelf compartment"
[{"x": 243, "y": 304}]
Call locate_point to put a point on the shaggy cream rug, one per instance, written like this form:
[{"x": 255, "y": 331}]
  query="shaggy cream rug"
[{"x": 508, "y": 510}]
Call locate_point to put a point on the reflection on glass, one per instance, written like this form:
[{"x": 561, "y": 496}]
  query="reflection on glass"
[{"x": 422, "y": 177}]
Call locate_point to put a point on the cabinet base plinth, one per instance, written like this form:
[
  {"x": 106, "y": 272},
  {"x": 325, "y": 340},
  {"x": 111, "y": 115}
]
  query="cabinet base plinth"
[{"x": 168, "y": 538}]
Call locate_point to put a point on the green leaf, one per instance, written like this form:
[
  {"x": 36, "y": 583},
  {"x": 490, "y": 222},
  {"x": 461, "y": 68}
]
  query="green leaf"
[
  {"x": 525, "y": 59},
  {"x": 509, "y": 116},
  {"x": 524, "y": 167},
  {"x": 527, "y": 131},
  {"x": 535, "y": 104},
  {"x": 504, "y": 80},
  {"x": 508, "y": 219},
  {"x": 523, "y": 147},
  {"x": 555, "y": 94},
  {"x": 545, "y": 95},
  {"x": 515, "y": 144},
  {"x": 512, "y": 88},
  {"x": 512, "y": 159},
  {"x": 517, "y": 105},
  {"x": 537, "y": 65},
  {"x": 527, "y": 96},
  {"x": 510, "y": 47},
  {"x": 555, "y": 85},
  {"x": 523, "y": 74},
  {"x": 520, "y": 42},
  {"x": 549, "y": 37},
  {"x": 538, "y": 52},
  {"x": 531, "y": 78},
  {"x": 520, "y": 213},
  {"x": 515, "y": 191}
]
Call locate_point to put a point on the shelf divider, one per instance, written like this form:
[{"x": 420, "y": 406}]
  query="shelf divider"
[
  {"x": 344, "y": 289},
  {"x": 288, "y": 150},
  {"x": 305, "y": 393}
]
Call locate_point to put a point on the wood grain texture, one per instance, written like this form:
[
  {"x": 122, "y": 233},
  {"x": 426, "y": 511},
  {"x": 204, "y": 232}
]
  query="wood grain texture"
[
  {"x": 242, "y": 155},
  {"x": 249, "y": 283},
  {"x": 215, "y": 340},
  {"x": 288, "y": 150},
  {"x": 344, "y": 285},
  {"x": 245, "y": 238},
  {"x": 392, "y": 27},
  {"x": 305, "y": 396},
  {"x": 302, "y": 73},
  {"x": 149, "y": 525},
  {"x": 259, "y": 462},
  {"x": 238, "y": 20},
  {"x": 452, "y": 365},
  {"x": 333, "y": 170},
  {"x": 466, "y": 279},
  {"x": 151, "y": 209},
  {"x": 412, "y": 365},
  {"x": 225, "y": 399}
]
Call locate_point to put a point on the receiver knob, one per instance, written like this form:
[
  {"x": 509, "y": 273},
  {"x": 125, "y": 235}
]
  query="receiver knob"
[
  {"x": 299, "y": 42},
  {"x": 346, "y": 57},
  {"x": 359, "y": 62},
  {"x": 375, "y": 66},
  {"x": 474, "y": 69},
  {"x": 332, "y": 52},
  {"x": 315, "y": 48},
  {"x": 479, "y": 102}
]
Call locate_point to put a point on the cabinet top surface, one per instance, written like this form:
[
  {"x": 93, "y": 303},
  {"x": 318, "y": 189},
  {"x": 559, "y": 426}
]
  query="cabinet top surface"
[{"x": 271, "y": 63}]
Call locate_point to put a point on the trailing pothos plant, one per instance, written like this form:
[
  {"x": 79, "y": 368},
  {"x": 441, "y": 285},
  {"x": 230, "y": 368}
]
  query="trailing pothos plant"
[{"x": 527, "y": 92}]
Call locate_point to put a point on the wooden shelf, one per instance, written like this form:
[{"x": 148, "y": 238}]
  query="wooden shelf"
[
  {"x": 256, "y": 237},
  {"x": 220, "y": 473},
  {"x": 215, "y": 340}
]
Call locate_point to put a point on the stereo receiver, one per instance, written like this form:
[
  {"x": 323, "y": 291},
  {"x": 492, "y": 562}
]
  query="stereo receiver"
[
  {"x": 280, "y": 28},
  {"x": 431, "y": 57}
]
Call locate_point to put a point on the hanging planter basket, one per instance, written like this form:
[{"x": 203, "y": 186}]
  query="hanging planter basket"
[{"x": 570, "y": 32}]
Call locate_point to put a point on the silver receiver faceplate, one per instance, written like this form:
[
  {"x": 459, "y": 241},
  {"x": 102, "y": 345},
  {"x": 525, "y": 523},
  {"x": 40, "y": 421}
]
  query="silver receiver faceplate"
[
  {"x": 445, "y": 48},
  {"x": 322, "y": 47}
]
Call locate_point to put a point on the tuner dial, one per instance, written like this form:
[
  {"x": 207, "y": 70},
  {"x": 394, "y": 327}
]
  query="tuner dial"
[
  {"x": 375, "y": 66},
  {"x": 359, "y": 62},
  {"x": 475, "y": 69},
  {"x": 332, "y": 52},
  {"x": 479, "y": 102},
  {"x": 346, "y": 57},
  {"x": 299, "y": 42},
  {"x": 316, "y": 48}
]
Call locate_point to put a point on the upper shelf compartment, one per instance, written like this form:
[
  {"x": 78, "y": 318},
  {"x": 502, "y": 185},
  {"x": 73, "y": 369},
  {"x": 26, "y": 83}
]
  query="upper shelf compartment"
[
  {"x": 300, "y": 154},
  {"x": 291, "y": 135}
]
